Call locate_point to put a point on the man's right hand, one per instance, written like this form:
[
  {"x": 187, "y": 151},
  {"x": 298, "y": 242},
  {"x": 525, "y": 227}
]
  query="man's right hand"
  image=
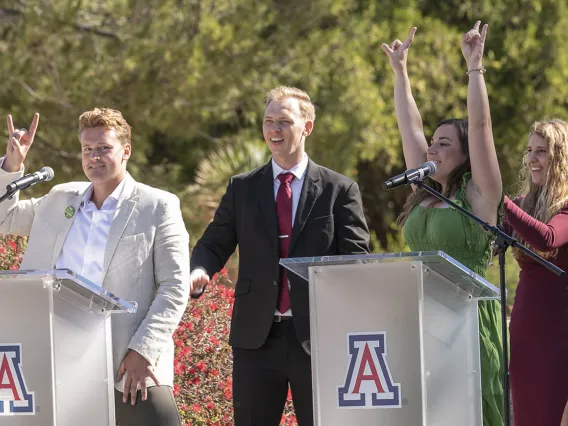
[
  {"x": 199, "y": 279},
  {"x": 19, "y": 143}
]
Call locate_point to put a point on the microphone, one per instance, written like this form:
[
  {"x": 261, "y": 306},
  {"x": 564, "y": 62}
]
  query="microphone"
[
  {"x": 46, "y": 173},
  {"x": 409, "y": 176}
]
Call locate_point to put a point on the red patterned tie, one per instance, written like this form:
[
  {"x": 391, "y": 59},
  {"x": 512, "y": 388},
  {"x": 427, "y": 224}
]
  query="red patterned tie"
[{"x": 284, "y": 212}]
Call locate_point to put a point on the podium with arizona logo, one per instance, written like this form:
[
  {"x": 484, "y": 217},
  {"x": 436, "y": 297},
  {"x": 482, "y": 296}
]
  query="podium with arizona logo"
[
  {"x": 394, "y": 339},
  {"x": 56, "y": 349}
]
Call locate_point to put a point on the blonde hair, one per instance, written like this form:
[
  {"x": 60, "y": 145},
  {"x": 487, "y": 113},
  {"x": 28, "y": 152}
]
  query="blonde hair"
[
  {"x": 109, "y": 118},
  {"x": 306, "y": 106},
  {"x": 544, "y": 201}
]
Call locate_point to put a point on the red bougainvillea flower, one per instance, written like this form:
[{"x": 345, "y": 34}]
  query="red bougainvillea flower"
[
  {"x": 203, "y": 359},
  {"x": 177, "y": 389}
]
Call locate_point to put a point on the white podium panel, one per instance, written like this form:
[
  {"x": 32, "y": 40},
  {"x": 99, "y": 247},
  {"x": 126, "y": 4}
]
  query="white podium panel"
[
  {"x": 394, "y": 342},
  {"x": 55, "y": 350}
]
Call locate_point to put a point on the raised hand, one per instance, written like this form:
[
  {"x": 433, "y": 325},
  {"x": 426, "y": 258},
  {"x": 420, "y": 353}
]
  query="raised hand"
[
  {"x": 472, "y": 46},
  {"x": 397, "y": 51},
  {"x": 19, "y": 143}
]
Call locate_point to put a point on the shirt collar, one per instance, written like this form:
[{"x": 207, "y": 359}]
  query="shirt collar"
[
  {"x": 299, "y": 170},
  {"x": 123, "y": 191}
]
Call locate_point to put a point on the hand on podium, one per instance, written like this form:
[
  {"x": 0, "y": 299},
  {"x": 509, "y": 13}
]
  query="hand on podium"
[{"x": 137, "y": 369}]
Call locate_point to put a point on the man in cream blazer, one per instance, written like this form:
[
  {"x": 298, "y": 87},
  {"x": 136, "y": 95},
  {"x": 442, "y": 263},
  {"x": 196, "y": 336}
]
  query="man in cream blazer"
[{"x": 127, "y": 237}]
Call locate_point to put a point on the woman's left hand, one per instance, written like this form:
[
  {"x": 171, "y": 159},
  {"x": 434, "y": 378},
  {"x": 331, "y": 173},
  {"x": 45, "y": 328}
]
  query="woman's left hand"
[{"x": 472, "y": 46}]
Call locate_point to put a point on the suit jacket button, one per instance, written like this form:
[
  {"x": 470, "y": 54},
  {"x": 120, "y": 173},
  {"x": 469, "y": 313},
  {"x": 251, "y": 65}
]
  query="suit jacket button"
[{"x": 274, "y": 282}]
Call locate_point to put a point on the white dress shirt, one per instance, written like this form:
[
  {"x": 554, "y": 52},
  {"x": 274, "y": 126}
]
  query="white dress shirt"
[
  {"x": 84, "y": 249},
  {"x": 299, "y": 172}
]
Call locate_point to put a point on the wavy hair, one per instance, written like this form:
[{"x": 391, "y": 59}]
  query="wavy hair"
[
  {"x": 109, "y": 118},
  {"x": 454, "y": 180},
  {"x": 544, "y": 201}
]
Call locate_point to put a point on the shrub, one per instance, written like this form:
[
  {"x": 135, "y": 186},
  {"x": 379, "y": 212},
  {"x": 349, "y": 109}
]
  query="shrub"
[
  {"x": 203, "y": 362},
  {"x": 11, "y": 251}
]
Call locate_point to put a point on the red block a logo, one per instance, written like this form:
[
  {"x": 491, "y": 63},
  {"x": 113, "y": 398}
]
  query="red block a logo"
[
  {"x": 14, "y": 395},
  {"x": 368, "y": 383}
]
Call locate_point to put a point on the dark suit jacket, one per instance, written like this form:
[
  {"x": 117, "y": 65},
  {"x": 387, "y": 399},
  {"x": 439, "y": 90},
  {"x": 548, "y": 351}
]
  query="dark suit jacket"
[{"x": 329, "y": 221}]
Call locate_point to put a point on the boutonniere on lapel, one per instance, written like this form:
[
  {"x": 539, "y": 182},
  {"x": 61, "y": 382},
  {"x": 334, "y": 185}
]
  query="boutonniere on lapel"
[{"x": 69, "y": 212}]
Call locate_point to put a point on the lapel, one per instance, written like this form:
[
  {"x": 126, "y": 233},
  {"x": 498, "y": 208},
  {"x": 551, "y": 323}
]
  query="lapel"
[
  {"x": 311, "y": 189},
  {"x": 117, "y": 228},
  {"x": 74, "y": 201},
  {"x": 265, "y": 191}
]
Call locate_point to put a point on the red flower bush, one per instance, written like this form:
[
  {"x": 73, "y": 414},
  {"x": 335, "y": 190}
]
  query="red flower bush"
[
  {"x": 11, "y": 251},
  {"x": 203, "y": 362}
]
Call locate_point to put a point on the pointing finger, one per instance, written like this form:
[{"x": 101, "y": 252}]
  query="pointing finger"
[
  {"x": 11, "y": 129},
  {"x": 484, "y": 32},
  {"x": 476, "y": 26},
  {"x": 33, "y": 127},
  {"x": 410, "y": 38}
]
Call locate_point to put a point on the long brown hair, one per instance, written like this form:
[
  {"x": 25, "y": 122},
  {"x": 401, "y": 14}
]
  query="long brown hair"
[
  {"x": 454, "y": 180},
  {"x": 544, "y": 201}
]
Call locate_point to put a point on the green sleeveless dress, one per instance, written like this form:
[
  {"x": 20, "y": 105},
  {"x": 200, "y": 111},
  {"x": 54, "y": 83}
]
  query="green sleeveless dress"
[{"x": 448, "y": 230}]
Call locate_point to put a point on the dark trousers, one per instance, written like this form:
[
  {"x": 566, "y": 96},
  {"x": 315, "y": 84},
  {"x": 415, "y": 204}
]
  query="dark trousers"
[
  {"x": 261, "y": 378},
  {"x": 159, "y": 409}
]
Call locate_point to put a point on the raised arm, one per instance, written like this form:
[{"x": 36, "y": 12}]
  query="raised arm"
[
  {"x": 486, "y": 175},
  {"x": 16, "y": 217},
  {"x": 414, "y": 145},
  {"x": 19, "y": 143}
]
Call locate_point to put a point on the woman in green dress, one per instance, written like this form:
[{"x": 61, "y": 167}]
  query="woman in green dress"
[{"x": 468, "y": 173}]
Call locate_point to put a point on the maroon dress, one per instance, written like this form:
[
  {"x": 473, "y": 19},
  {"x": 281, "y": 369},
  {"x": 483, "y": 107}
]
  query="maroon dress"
[{"x": 539, "y": 323}]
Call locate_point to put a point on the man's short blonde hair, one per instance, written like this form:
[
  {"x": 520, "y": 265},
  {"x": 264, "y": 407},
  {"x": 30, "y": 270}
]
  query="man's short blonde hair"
[
  {"x": 109, "y": 118},
  {"x": 306, "y": 106}
]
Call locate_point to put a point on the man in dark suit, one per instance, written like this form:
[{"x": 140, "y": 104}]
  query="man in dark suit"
[{"x": 290, "y": 207}]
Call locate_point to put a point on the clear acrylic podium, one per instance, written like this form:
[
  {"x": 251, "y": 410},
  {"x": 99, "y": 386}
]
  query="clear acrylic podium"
[
  {"x": 394, "y": 339},
  {"x": 56, "y": 349}
]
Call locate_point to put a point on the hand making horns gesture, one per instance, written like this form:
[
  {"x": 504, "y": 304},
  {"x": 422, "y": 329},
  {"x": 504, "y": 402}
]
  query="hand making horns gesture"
[
  {"x": 472, "y": 46},
  {"x": 397, "y": 51},
  {"x": 19, "y": 143}
]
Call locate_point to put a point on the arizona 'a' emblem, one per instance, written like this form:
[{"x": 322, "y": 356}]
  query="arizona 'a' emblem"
[
  {"x": 14, "y": 395},
  {"x": 368, "y": 383}
]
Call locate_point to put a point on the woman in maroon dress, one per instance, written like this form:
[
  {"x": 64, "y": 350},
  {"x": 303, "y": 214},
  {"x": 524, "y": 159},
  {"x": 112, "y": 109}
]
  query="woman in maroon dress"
[{"x": 539, "y": 321}]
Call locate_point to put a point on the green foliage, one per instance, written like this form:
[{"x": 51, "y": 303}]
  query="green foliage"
[{"x": 190, "y": 76}]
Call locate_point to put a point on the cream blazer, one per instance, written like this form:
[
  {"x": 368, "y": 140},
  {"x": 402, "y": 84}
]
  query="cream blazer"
[{"x": 146, "y": 260}]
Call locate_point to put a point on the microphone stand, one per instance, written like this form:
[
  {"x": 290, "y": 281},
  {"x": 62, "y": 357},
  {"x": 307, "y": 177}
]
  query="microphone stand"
[
  {"x": 502, "y": 243},
  {"x": 8, "y": 195}
]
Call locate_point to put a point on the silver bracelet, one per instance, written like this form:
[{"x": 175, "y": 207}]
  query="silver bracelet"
[{"x": 481, "y": 70}]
